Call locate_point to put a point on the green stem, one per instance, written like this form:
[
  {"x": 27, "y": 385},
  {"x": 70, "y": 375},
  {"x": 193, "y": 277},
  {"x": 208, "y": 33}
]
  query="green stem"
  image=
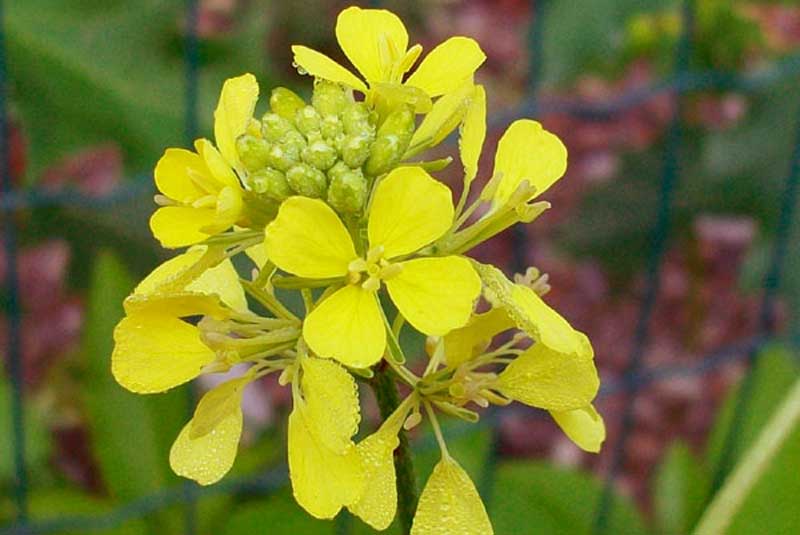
[
  {"x": 717, "y": 517},
  {"x": 386, "y": 393}
]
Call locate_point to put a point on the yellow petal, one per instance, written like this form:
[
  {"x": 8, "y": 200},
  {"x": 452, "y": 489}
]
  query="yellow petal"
[
  {"x": 528, "y": 152},
  {"x": 321, "y": 66},
  {"x": 347, "y": 326},
  {"x": 237, "y": 101},
  {"x": 447, "y": 66},
  {"x": 460, "y": 345},
  {"x": 409, "y": 210},
  {"x": 228, "y": 211},
  {"x": 179, "y": 226},
  {"x": 258, "y": 254},
  {"x": 208, "y": 458},
  {"x": 378, "y": 503},
  {"x": 219, "y": 168},
  {"x": 444, "y": 116},
  {"x": 532, "y": 314},
  {"x": 322, "y": 481},
  {"x": 173, "y": 172},
  {"x": 155, "y": 352},
  {"x": 331, "y": 406},
  {"x": 373, "y": 40},
  {"x": 473, "y": 132},
  {"x": 177, "y": 305},
  {"x": 583, "y": 426},
  {"x": 196, "y": 271},
  {"x": 450, "y": 504},
  {"x": 308, "y": 239},
  {"x": 435, "y": 295},
  {"x": 217, "y": 405},
  {"x": 543, "y": 378}
]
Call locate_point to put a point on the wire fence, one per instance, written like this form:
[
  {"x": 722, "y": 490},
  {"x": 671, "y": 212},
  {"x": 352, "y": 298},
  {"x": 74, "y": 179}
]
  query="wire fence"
[{"x": 637, "y": 375}]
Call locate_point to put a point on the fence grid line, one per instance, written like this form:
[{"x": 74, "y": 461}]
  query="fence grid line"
[{"x": 636, "y": 376}]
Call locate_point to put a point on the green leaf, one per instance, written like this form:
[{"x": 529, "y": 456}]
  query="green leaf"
[
  {"x": 277, "y": 515},
  {"x": 37, "y": 436},
  {"x": 52, "y": 504},
  {"x": 114, "y": 71},
  {"x": 681, "y": 484},
  {"x": 534, "y": 495},
  {"x": 772, "y": 505}
]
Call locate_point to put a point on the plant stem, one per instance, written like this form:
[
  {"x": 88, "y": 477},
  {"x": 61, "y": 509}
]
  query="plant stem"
[
  {"x": 718, "y": 516},
  {"x": 386, "y": 393}
]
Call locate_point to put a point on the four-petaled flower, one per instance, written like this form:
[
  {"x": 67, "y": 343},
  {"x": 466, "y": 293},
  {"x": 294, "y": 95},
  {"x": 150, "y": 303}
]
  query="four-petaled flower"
[{"x": 409, "y": 211}]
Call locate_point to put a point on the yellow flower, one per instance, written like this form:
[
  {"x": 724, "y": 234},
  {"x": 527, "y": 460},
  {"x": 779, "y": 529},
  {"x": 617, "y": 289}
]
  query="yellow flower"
[
  {"x": 409, "y": 211},
  {"x": 557, "y": 373},
  {"x": 325, "y": 468},
  {"x": 200, "y": 191},
  {"x": 206, "y": 446},
  {"x": 155, "y": 349},
  {"x": 376, "y": 43},
  {"x": 527, "y": 151},
  {"x": 450, "y": 503}
]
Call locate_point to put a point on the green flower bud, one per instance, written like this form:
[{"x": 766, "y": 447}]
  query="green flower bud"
[
  {"x": 280, "y": 159},
  {"x": 271, "y": 183},
  {"x": 356, "y": 119},
  {"x": 331, "y": 127},
  {"x": 253, "y": 151},
  {"x": 339, "y": 168},
  {"x": 355, "y": 149},
  {"x": 347, "y": 191},
  {"x": 293, "y": 143},
  {"x": 391, "y": 141},
  {"x": 328, "y": 98},
  {"x": 320, "y": 155},
  {"x": 285, "y": 102},
  {"x": 274, "y": 127},
  {"x": 307, "y": 181},
  {"x": 307, "y": 120}
]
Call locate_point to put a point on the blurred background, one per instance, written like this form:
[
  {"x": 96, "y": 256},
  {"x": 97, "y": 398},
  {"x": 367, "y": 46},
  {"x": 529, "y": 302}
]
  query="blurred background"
[{"x": 671, "y": 243}]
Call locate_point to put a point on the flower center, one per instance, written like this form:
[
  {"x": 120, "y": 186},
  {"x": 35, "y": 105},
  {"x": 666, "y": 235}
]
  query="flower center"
[{"x": 370, "y": 271}]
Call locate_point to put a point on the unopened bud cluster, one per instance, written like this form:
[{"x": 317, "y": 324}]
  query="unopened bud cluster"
[{"x": 329, "y": 149}]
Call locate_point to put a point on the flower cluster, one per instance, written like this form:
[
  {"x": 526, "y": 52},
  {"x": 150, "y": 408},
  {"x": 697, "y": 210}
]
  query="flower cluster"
[{"x": 327, "y": 200}]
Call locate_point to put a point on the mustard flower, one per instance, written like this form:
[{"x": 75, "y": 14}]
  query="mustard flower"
[
  {"x": 409, "y": 211},
  {"x": 376, "y": 43}
]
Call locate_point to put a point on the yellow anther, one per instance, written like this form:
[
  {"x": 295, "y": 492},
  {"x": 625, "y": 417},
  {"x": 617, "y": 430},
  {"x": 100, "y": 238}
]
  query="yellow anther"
[
  {"x": 375, "y": 254},
  {"x": 207, "y": 201},
  {"x": 390, "y": 271},
  {"x": 357, "y": 266}
]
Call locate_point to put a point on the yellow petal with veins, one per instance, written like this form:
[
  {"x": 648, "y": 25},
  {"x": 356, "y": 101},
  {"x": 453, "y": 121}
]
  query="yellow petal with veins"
[
  {"x": 207, "y": 458},
  {"x": 179, "y": 226},
  {"x": 319, "y": 65},
  {"x": 373, "y": 40},
  {"x": 308, "y": 239},
  {"x": 447, "y": 66},
  {"x": 237, "y": 101},
  {"x": 155, "y": 352},
  {"x": 410, "y": 209},
  {"x": 461, "y": 344},
  {"x": 331, "y": 403},
  {"x": 528, "y": 152},
  {"x": 347, "y": 326},
  {"x": 473, "y": 133},
  {"x": 322, "y": 481},
  {"x": 583, "y": 426},
  {"x": 174, "y": 171},
  {"x": 450, "y": 504},
  {"x": 435, "y": 295},
  {"x": 543, "y": 378},
  {"x": 218, "y": 404}
]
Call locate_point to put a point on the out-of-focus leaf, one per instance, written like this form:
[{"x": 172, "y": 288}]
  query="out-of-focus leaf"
[
  {"x": 467, "y": 443},
  {"x": 577, "y": 40},
  {"x": 52, "y": 504},
  {"x": 680, "y": 489},
  {"x": 37, "y": 437},
  {"x": 534, "y": 497},
  {"x": 771, "y": 507},
  {"x": 276, "y": 515},
  {"x": 113, "y": 70}
]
